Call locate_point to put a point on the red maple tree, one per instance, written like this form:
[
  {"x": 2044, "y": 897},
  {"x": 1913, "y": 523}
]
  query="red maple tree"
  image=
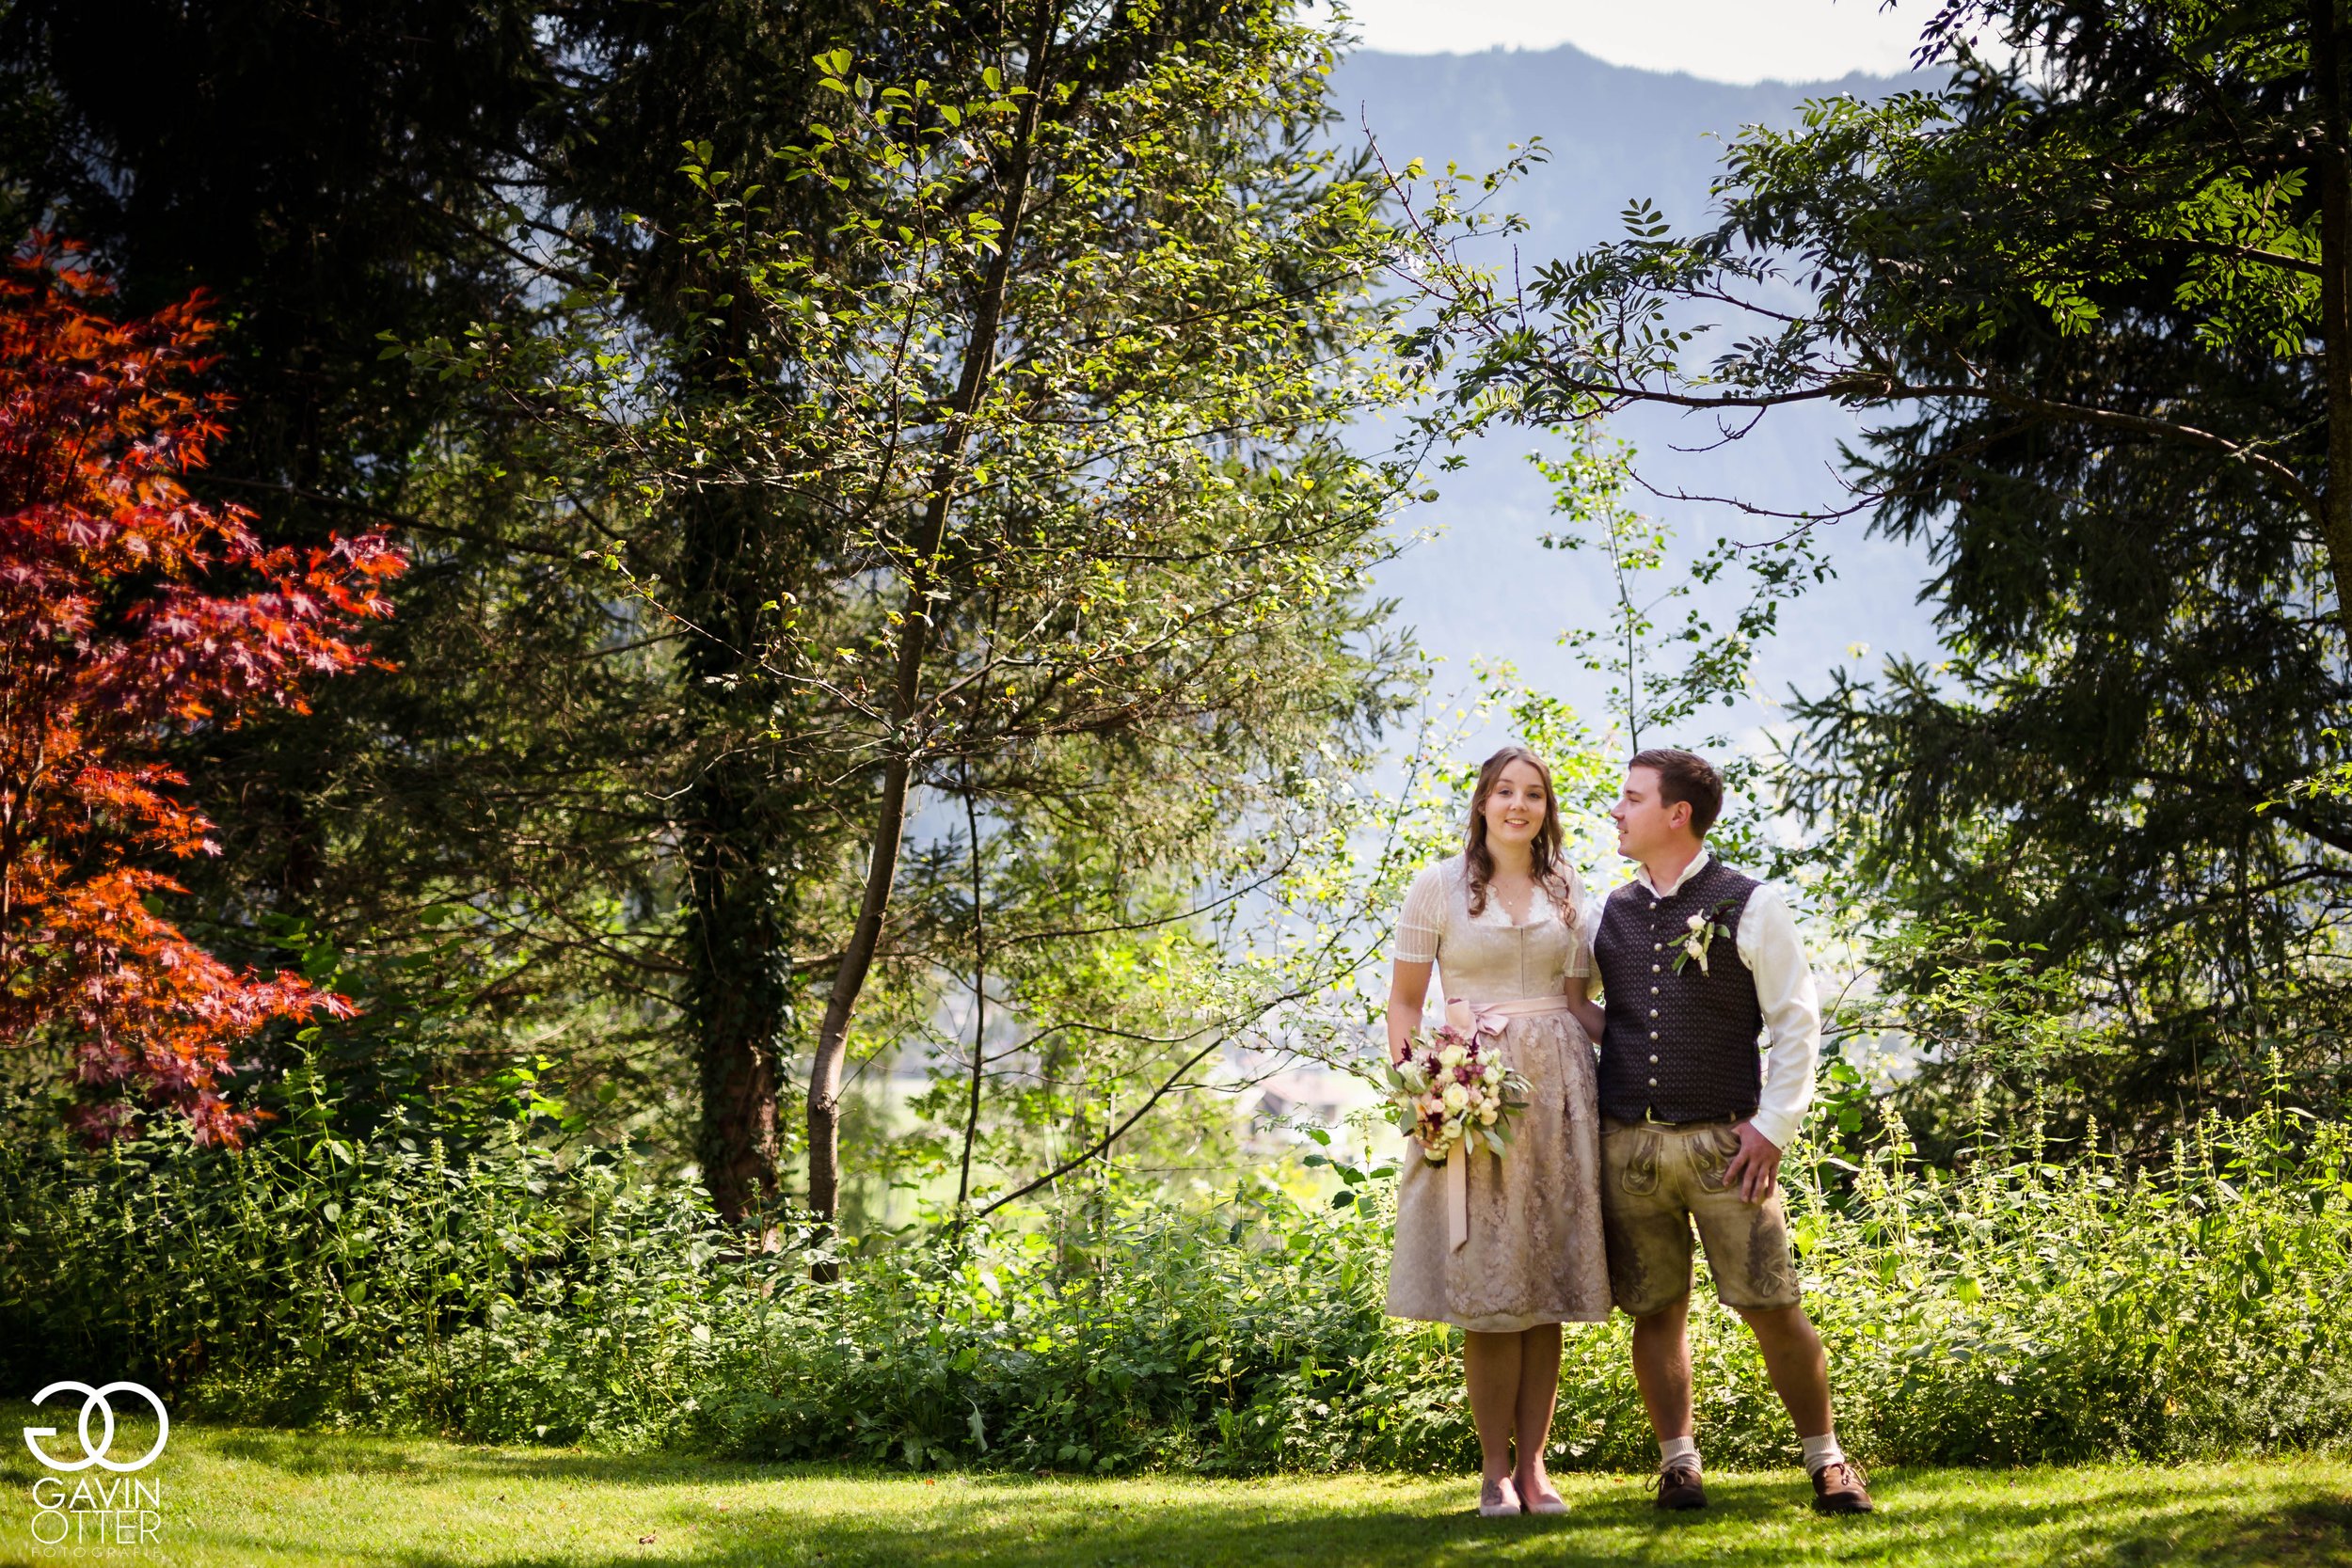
[{"x": 129, "y": 609}]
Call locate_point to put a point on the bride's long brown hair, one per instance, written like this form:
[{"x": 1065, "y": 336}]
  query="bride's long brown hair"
[{"x": 1543, "y": 862}]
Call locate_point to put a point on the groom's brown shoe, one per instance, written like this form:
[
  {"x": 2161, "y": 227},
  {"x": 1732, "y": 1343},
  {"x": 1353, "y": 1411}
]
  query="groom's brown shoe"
[
  {"x": 1679, "y": 1487},
  {"x": 1838, "y": 1489}
]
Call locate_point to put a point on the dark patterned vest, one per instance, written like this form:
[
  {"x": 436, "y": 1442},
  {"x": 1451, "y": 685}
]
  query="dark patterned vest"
[{"x": 1683, "y": 1045}]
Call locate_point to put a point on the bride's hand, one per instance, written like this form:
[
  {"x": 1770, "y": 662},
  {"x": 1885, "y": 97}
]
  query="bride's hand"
[
  {"x": 1587, "y": 1013},
  {"x": 1409, "y": 990}
]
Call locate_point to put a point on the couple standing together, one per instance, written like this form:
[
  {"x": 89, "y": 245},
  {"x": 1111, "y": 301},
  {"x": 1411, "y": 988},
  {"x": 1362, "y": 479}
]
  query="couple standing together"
[{"x": 1679, "y": 1121}]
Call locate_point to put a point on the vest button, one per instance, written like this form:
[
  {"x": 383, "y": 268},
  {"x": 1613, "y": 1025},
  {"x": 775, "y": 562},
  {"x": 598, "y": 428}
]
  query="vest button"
[
  {"x": 1653, "y": 1083},
  {"x": 1653, "y": 968},
  {"x": 1653, "y": 1058}
]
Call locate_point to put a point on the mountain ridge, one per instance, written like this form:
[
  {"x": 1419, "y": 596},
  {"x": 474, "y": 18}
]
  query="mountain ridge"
[{"x": 1486, "y": 587}]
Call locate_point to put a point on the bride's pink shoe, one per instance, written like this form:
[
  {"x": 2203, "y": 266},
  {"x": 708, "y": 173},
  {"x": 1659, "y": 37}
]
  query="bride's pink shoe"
[
  {"x": 1541, "y": 1499},
  {"x": 1497, "y": 1498}
]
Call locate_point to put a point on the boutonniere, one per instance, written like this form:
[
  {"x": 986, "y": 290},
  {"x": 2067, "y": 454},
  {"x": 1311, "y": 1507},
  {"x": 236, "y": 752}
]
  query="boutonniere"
[{"x": 1704, "y": 930}]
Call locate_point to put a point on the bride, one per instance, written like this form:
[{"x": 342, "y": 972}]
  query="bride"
[{"x": 1503, "y": 924}]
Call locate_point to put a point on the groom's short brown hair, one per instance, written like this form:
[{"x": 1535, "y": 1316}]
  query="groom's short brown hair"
[{"x": 1685, "y": 776}]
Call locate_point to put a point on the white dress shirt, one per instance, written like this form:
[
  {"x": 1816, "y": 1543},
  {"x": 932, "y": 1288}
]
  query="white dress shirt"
[{"x": 1769, "y": 946}]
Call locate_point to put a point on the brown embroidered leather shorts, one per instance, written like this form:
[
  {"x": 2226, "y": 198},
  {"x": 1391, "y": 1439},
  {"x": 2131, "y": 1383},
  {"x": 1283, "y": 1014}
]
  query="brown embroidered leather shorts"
[{"x": 1657, "y": 1178}]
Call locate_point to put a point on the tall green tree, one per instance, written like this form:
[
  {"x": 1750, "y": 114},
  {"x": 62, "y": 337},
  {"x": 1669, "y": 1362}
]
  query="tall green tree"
[
  {"x": 750, "y": 842},
  {"x": 1062, "y": 388}
]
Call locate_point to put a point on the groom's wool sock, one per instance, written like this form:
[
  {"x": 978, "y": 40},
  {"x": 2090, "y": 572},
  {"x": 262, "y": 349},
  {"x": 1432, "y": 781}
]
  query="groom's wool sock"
[
  {"x": 1677, "y": 1450},
  {"x": 1822, "y": 1450}
]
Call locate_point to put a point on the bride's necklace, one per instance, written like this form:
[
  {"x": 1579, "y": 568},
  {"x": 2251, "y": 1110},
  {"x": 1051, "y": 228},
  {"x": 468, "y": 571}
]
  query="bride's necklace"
[{"x": 1494, "y": 891}]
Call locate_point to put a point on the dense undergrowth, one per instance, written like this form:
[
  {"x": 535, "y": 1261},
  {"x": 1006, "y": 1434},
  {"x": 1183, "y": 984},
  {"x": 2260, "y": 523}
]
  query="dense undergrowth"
[{"x": 2025, "y": 1309}]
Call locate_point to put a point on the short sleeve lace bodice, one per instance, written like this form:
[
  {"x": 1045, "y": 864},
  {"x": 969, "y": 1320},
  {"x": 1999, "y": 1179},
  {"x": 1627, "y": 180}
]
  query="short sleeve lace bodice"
[{"x": 1488, "y": 957}]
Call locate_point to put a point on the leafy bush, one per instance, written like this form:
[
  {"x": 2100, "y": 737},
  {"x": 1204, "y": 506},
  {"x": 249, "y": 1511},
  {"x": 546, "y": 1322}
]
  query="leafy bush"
[
  {"x": 314, "y": 1277},
  {"x": 2024, "y": 1309}
]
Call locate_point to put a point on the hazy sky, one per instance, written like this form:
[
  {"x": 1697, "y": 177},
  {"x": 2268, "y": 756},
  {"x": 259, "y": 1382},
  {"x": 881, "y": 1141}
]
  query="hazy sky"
[{"x": 1729, "y": 40}]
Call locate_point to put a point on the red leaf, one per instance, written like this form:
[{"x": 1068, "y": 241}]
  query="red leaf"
[{"x": 100, "y": 420}]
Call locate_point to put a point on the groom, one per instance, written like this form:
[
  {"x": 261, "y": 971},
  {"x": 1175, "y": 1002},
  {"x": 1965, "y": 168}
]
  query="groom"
[{"x": 1696, "y": 962}]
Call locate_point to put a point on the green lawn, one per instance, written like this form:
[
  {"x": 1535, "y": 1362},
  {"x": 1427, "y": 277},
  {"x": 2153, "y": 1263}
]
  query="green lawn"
[{"x": 234, "y": 1497}]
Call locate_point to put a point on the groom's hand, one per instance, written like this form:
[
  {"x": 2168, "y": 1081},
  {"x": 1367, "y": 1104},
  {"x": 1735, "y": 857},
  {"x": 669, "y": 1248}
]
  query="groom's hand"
[{"x": 1757, "y": 1167}]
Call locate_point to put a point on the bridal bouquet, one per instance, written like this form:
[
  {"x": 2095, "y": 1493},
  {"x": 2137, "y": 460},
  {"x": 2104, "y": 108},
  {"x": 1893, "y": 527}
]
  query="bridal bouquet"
[{"x": 1454, "y": 1090}]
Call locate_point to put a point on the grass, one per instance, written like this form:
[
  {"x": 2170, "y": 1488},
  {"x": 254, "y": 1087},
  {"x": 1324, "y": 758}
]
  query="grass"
[{"x": 234, "y": 1497}]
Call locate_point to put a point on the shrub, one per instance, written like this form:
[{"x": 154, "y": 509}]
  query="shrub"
[{"x": 2023, "y": 1310}]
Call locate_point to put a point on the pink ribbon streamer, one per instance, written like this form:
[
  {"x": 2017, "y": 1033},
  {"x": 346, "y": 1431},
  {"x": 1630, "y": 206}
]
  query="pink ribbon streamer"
[
  {"x": 1456, "y": 1195},
  {"x": 1471, "y": 1019}
]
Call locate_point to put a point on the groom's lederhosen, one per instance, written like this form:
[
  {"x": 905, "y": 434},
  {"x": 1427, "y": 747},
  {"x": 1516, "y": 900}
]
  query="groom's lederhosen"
[{"x": 1679, "y": 1070}]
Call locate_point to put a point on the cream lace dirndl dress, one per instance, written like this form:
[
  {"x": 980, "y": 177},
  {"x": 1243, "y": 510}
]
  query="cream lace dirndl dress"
[{"x": 1534, "y": 1253}]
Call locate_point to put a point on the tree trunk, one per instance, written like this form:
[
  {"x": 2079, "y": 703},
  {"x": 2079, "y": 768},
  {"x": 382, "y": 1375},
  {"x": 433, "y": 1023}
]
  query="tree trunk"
[
  {"x": 734, "y": 950},
  {"x": 979, "y": 1002},
  {"x": 881, "y": 866},
  {"x": 738, "y": 937},
  {"x": 2335, "y": 299}
]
